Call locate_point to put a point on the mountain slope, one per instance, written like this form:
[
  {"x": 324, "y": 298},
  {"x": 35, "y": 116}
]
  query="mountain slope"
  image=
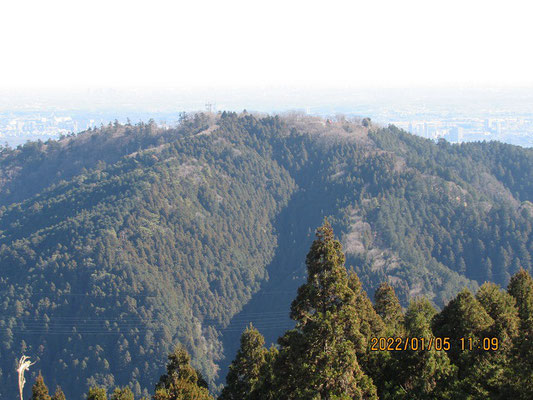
[{"x": 118, "y": 243}]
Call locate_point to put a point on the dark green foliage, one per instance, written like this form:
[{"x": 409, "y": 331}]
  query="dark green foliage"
[
  {"x": 488, "y": 377},
  {"x": 39, "y": 390},
  {"x": 318, "y": 358},
  {"x": 480, "y": 373},
  {"x": 327, "y": 354},
  {"x": 58, "y": 394},
  {"x": 388, "y": 307},
  {"x": 142, "y": 250},
  {"x": 264, "y": 388},
  {"x": 419, "y": 374},
  {"x": 244, "y": 372},
  {"x": 501, "y": 307},
  {"x": 462, "y": 318},
  {"x": 181, "y": 381},
  {"x": 119, "y": 242},
  {"x": 303, "y": 369},
  {"x": 122, "y": 394},
  {"x": 521, "y": 373},
  {"x": 521, "y": 288},
  {"x": 370, "y": 326},
  {"x": 96, "y": 393},
  {"x": 371, "y": 322},
  {"x": 374, "y": 364}
]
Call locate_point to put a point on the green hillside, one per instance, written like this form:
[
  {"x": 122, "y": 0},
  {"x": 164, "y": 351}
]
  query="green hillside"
[{"x": 116, "y": 244}]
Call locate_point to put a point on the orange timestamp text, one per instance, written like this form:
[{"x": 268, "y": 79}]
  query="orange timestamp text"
[{"x": 431, "y": 343}]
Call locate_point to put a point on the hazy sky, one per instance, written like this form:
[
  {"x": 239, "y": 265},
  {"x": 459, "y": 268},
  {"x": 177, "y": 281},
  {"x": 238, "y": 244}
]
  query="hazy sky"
[{"x": 59, "y": 44}]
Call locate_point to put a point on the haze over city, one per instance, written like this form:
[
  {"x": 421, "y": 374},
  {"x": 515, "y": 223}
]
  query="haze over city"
[
  {"x": 257, "y": 200},
  {"x": 456, "y": 114},
  {"x": 461, "y": 71}
]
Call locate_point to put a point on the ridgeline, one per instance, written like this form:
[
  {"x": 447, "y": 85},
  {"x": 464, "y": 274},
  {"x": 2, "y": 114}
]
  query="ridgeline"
[{"x": 118, "y": 243}]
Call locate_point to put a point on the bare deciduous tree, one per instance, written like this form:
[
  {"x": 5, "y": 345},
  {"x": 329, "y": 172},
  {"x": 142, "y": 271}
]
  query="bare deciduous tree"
[{"x": 23, "y": 366}]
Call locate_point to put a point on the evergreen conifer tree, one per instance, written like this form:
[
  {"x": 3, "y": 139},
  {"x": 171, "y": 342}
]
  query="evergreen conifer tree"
[
  {"x": 96, "y": 393},
  {"x": 463, "y": 317},
  {"x": 521, "y": 371},
  {"x": 244, "y": 371},
  {"x": 464, "y": 320},
  {"x": 318, "y": 359},
  {"x": 521, "y": 288},
  {"x": 423, "y": 373},
  {"x": 490, "y": 371},
  {"x": 182, "y": 381},
  {"x": 39, "y": 390},
  {"x": 374, "y": 363},
  {"x": 124, "y": 393},
  {"x": 265, "y": 389},
  {"x": 388, "y": 307},
  {"x": 58, "y": 394},
  {"x": 371, "y": 324},
  {"x": 501, "y": 307}
]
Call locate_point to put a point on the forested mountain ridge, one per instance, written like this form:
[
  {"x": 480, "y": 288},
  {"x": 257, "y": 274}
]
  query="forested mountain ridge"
[{"x": 117, "y": 243}]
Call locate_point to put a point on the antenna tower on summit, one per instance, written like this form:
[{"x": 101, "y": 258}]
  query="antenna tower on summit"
[{"x": 209, "y": 107}]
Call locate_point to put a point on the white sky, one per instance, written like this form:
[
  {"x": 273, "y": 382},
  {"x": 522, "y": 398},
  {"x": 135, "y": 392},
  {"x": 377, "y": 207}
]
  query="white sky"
[{"x": 61, "y": 44}]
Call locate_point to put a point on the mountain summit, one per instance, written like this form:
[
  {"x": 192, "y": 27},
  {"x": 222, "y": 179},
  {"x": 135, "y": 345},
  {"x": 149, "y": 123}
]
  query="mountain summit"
[{"x": 118, "y": 243}]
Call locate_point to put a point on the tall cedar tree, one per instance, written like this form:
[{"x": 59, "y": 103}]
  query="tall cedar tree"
[
  {"x": 492, "y": 367},
  {"x": 39, "y": 390},
  {"x": 264, "y": 388},
  {"x": 318, "y": 358},
  {"x": 380, "y": 365},
  {"x": 501, "y": 307},
  {"x": 465, "y": 318},
  {"x": 122, "y": 394},
  {"x": 388, "y": 307},
  {"x": 244, "y": 371},
  {"x": 371, "y": 324},
  {"x": 96, "y": 393},
  {"x": 375, "y": 364},
  {"x": 521, "y": 288},
  {"x": 58, "y": 394},
  {"x": 182, "y": 381},
  {"x": 425, "y": 374}
]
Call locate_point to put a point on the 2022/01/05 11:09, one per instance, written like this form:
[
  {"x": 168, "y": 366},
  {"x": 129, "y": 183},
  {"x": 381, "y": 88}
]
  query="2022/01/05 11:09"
[{"x": 432, "y": 343}]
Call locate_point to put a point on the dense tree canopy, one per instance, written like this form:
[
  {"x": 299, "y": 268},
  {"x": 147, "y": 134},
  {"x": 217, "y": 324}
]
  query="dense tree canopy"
[
  {"x": 39, "y": 390},
  {"x": 341, "y": 348},
  {"x": 388, "y": 307},
  {"x": 244, "y": 374},
  {"x": 318, "y": 359},
  {"x": 58, "y": 394},
  {"x": 521, "y": 288},
  {"x": 96, "y": 393},
  {"x": 120, "y": 242},
  {"x": 181, "y": 381},
  {"x": 470, "y": 349}
]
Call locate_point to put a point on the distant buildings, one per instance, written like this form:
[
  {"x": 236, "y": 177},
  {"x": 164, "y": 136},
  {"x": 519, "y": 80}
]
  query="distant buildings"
[
  {"x": 18, "y": 127},
  {"x": 508, "y": 129},
  {"x": 455, "y": 135}
]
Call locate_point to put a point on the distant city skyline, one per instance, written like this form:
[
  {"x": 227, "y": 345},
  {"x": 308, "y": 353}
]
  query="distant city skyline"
[
  {"x": 456, "y": 114},
  {"x": 440, "y": 69}
]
